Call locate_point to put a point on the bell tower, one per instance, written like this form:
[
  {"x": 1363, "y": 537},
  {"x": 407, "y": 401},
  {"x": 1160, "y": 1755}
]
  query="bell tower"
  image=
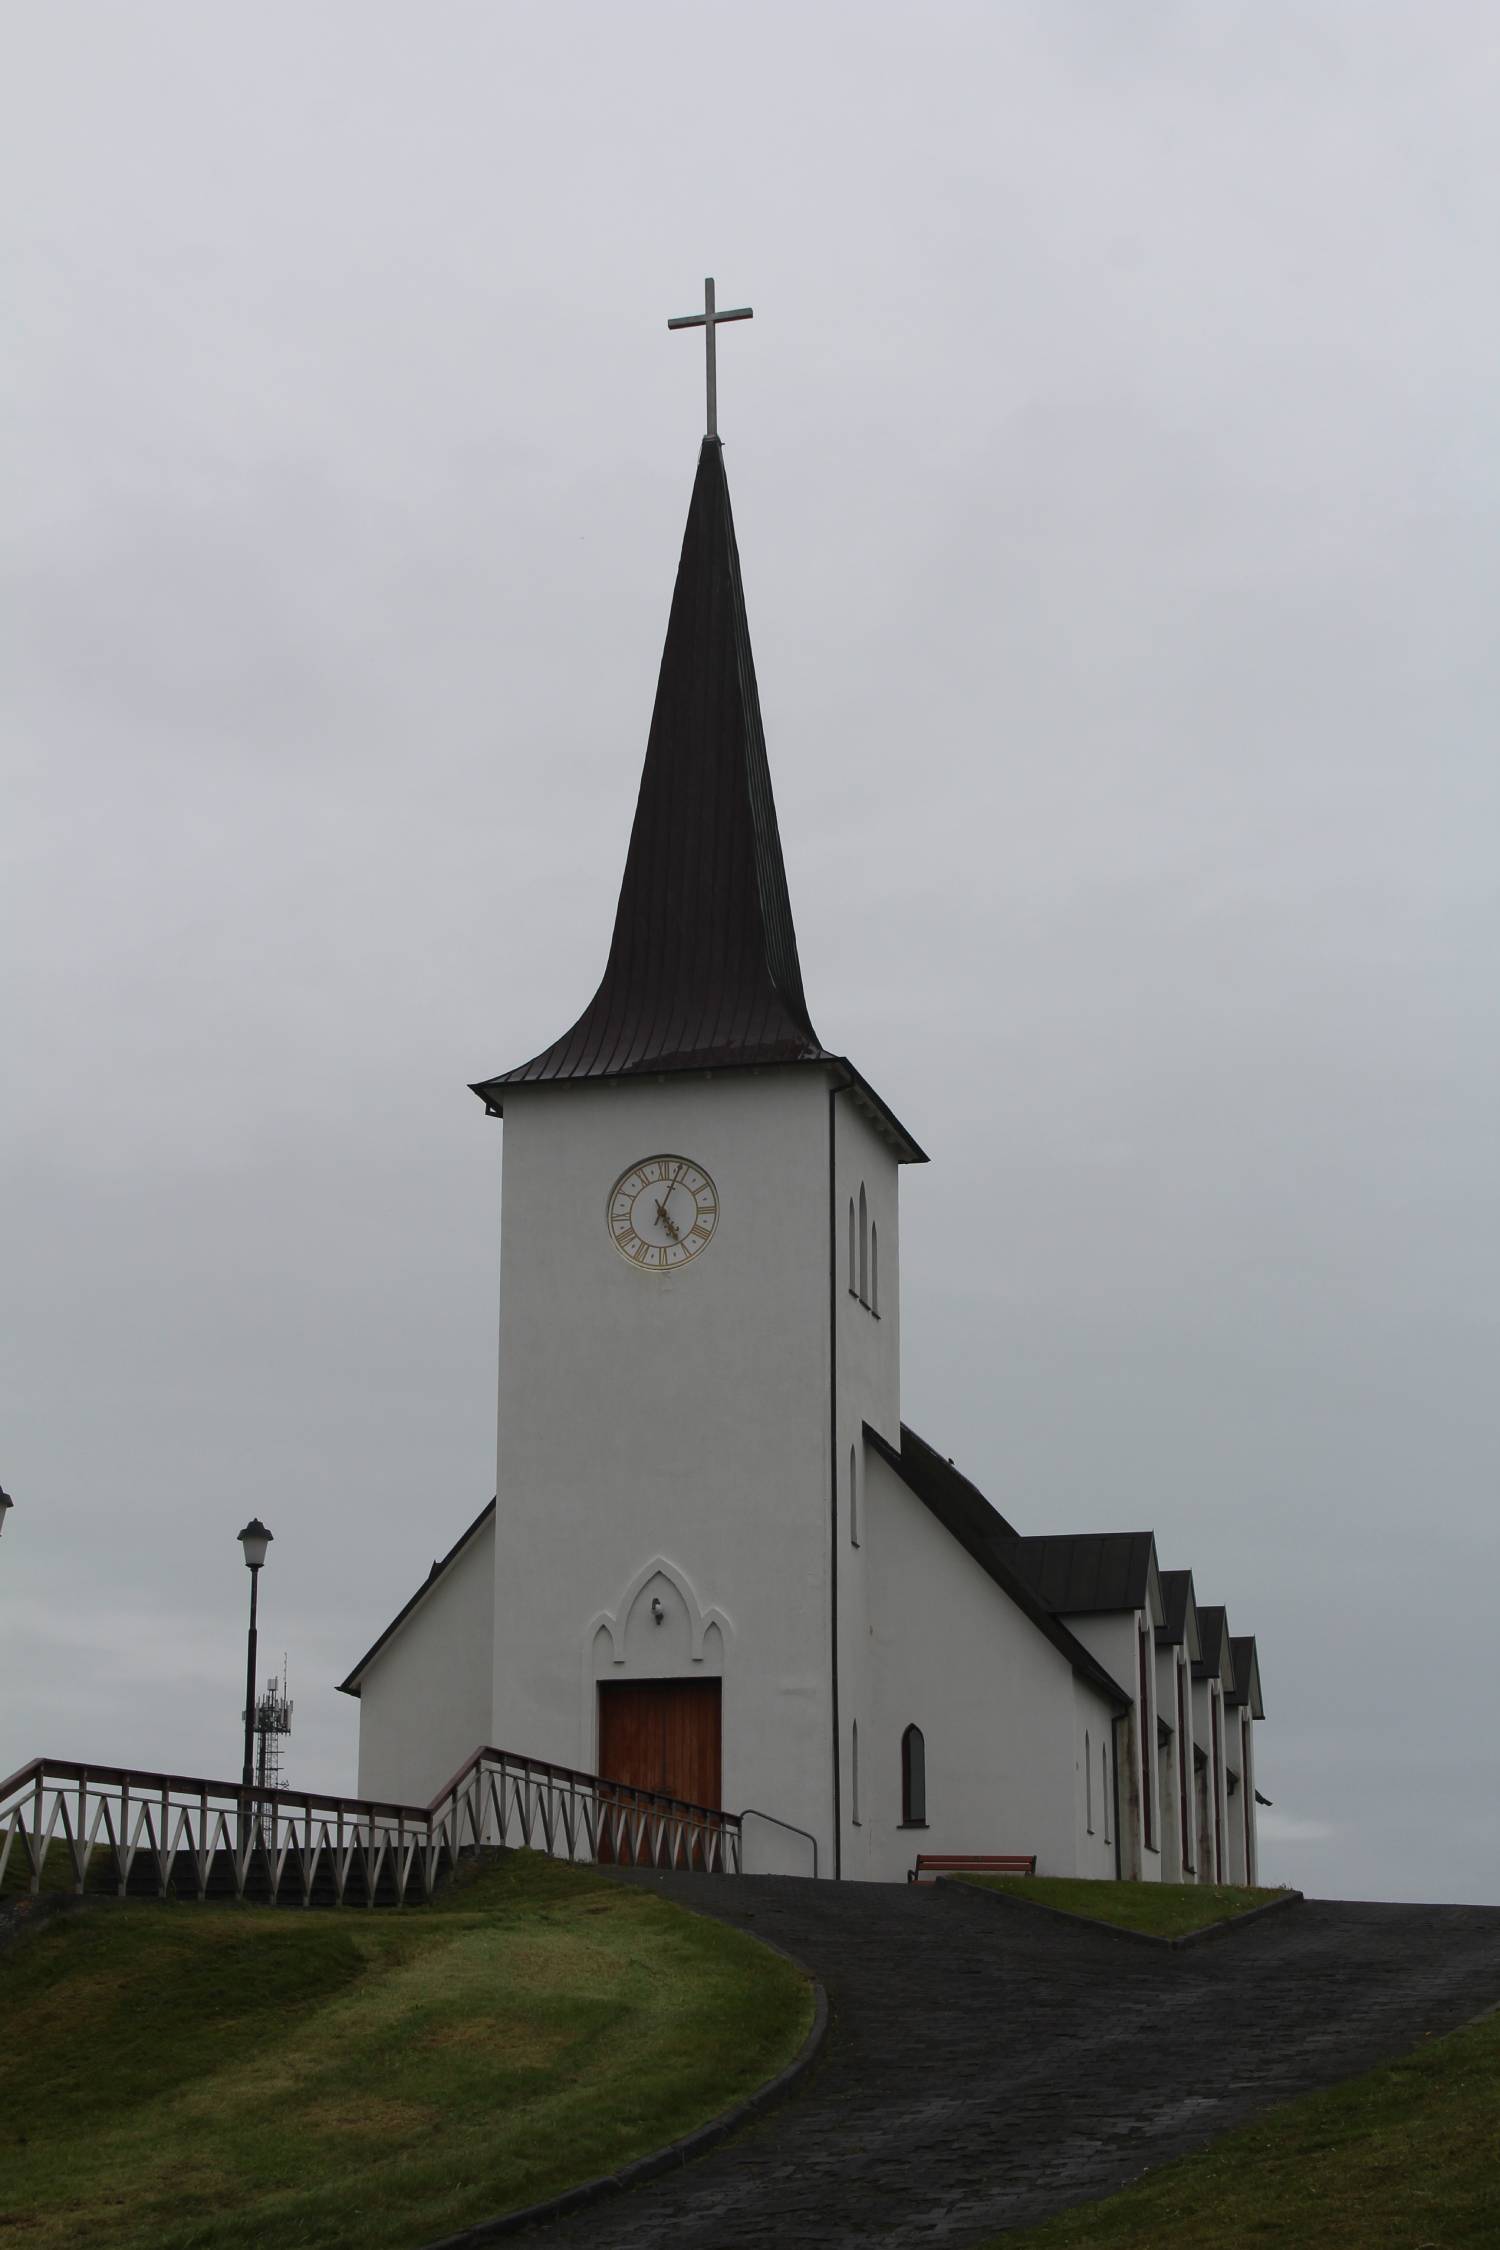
[{"x": 690, "y": 1337}]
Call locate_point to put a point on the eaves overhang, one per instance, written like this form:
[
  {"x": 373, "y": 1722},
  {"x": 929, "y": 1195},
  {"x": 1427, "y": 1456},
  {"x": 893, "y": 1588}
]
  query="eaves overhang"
[
  {"x": 840, "y": 1070},
  {"x": 961, "y": 1508},
  {"x": 881, "y": 1115},
  {"x": 1179, "y": 1626},
  {"x": 350, "y": 1686},
  {"x": 1217, "y": 1659},
  {"x": 1246, "y": 1665}
]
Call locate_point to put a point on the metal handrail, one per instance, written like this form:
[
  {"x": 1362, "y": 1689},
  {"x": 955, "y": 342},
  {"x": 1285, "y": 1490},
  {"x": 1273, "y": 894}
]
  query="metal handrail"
[
  {"x": 576, "y": 1775},
  {"x": 73, "y": 1769},
  {"x": 753, "y": 1812},
  {"x": 183, "y": 1826}
]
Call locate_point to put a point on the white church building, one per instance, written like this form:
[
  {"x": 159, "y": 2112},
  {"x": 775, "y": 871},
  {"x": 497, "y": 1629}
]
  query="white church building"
[{"x": 717, "y": 1563}]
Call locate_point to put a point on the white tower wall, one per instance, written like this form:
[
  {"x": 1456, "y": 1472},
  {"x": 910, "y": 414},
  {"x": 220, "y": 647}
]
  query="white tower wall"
[{"x": 666, "y": 1436}]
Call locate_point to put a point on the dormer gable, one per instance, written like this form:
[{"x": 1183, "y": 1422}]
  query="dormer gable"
[{"x": 1093, "y": 1572}]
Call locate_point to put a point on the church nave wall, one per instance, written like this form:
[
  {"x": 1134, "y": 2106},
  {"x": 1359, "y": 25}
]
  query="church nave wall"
[
  {"x": 1115, "y": 1638},
  {"x": 867, "y": 1289},
  {"x": 424, "y": 1701},
  {"x": 949, "y": 1652}
]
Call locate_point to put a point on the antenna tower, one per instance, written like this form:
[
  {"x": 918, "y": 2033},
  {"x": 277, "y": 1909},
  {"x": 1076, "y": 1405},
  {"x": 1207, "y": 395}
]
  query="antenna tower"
[{"x": 273, "y": 1723}]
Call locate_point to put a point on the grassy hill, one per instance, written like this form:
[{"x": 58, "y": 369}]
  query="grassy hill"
[
  {"x": 1407, "y": 2157},
  {"x": 192, "y": 2077},
  {"x": 1157, "y": 1909}
]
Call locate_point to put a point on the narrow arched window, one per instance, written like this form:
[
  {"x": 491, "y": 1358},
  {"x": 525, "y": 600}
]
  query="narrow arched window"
[
  {"x": 853, "y": 1253},
  {"x": 854, "y": 1774},
  {"x": 913, "y": 1779},
  {"x": 864, "y": 1247},
  {"x": 1088, "y": 1782},
  {"x": 874, "y": 1270},
  {"x": 853, "y": 1499},
  {"x": 1104, "y": 1784}
]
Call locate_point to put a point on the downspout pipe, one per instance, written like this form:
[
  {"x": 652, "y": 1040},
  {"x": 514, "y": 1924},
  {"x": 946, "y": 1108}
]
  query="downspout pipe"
[{"x": 833, "y": 1474}]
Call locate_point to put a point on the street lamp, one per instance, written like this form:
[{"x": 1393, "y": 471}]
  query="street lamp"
[
  {"x": 255, "y": 1539},
  {"x": 6, "y": 1504}
]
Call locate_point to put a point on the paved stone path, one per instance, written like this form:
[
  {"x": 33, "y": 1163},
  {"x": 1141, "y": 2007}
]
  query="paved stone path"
[{"x": 984, "y": 2067}]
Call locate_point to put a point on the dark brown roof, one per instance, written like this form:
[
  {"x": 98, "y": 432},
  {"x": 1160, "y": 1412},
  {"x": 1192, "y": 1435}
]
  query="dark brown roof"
[
  {"x": 1213, "y": 1625},
  {"x": 350, "y": 1686},
  {"x": 962, "y": 1509},
  {"x": 703, "y": 968},
  {"x": 1074, "y": 1572},
  {"x": 1246, "y": 1662},
  {"x": 1178, "y": 1604}
]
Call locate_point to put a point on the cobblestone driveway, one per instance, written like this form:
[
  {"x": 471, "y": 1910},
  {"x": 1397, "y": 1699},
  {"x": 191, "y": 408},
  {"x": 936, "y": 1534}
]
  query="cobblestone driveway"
[{"x": 984, "y": 2066}]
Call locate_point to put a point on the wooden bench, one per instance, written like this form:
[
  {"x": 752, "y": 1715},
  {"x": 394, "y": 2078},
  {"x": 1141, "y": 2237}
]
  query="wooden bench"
[{"x": 972, "y": 1863}]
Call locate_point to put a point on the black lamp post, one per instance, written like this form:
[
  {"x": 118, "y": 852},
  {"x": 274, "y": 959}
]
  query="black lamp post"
[{"x": 255, "y": 1539}]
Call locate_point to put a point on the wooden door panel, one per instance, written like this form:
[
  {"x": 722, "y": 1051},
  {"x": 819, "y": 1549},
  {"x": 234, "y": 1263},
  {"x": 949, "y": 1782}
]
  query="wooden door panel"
[
  {"x": 690, "y": 1729},
  {"x": 631, "y": 1740},
  {"x": 661, "y": 1735}
]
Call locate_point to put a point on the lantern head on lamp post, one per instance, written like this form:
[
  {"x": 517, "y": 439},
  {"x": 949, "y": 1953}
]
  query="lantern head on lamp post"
[{"x": 255, "y": 1539}]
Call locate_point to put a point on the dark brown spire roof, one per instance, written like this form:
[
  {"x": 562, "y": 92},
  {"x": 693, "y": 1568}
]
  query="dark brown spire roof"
[{"x": 703, "y": 968}]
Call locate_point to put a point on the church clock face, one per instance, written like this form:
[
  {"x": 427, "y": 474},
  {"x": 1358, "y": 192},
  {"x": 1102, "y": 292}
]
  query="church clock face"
[{"x": 662, "y": 1212}]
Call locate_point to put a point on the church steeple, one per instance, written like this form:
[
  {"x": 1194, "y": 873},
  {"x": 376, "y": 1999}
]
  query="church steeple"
[{"x": 703, "y": 970}]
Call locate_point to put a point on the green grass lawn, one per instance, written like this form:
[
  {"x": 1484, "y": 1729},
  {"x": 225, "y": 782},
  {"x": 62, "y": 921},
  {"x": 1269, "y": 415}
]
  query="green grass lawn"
[
  {"x": 1161, "y": 1909},
  {"x": 191, "y": 2077},
  {"x": 1405, "y": 2158},
  {"x": 57, "y": 1872}
]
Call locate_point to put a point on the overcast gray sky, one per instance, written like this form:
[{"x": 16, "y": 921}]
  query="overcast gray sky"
[{"x": 1114, "y": 452}]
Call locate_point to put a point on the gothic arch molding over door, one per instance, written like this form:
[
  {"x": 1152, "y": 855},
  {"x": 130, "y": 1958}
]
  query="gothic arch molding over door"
[{"x": 658, "y": 1629}]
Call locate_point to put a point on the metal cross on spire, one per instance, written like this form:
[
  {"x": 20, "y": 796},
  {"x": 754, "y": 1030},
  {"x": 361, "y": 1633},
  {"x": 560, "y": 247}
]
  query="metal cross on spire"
[{"x": 708, "y": 320}]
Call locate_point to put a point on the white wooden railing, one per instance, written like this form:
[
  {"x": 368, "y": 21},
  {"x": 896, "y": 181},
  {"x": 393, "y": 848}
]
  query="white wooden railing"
[{"x": 162, "y": 1832}]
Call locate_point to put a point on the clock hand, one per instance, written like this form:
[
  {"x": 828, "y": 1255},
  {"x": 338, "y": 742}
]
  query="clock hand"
[
  {"x": 666, "y": 1197},
  {"x": 667, "y": 1220}
]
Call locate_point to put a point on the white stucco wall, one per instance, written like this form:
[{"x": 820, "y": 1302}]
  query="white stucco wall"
[
  {"x": 1002, "y": 1715},
  {"x": 674, "y": 1502},
  {"x": 425, "y": 1700},
  {"x": 1234, "y": 1836},
  {"x": 1113, "y": 1636},
  {"x": 1240, "y": 1754},
  {"x": 1212, "y": 1864},
  {"x": 1172, "y": 1664},
  {"x": 868, "y": 1390},
  {"x": 678, "y": 1420},
  {"x": 1252, "y": 1815},
  {"x": 1094, "y": 1784},
  {"x": 1193, "y": 1871}
]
